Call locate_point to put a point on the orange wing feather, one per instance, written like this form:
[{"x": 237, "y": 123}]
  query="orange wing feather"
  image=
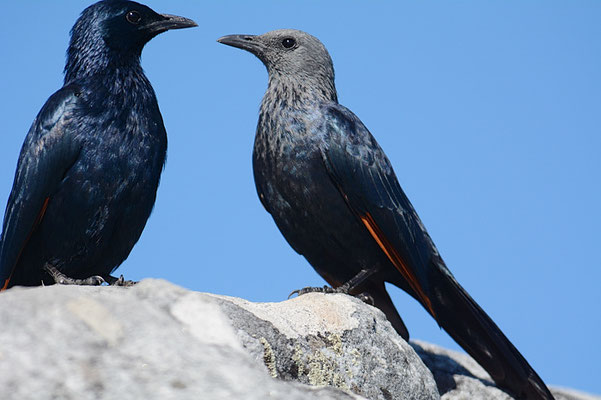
[{"x": 396, "y": 260}]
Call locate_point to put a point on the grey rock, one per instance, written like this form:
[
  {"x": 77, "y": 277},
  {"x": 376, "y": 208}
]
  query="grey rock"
[
  {"x": 334, "y": 340},
  {"x": 459, "y": 377},
  {"x": 159, "y": 341},
  {"x": 153, "y": 341}
]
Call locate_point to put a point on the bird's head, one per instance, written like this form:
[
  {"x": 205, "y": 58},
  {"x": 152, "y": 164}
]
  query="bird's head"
[
  {"x": 118, "y": 28},
  {"x": 288, "y": 53}
]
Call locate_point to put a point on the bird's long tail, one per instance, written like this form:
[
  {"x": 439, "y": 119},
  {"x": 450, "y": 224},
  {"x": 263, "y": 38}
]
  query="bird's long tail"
[{"x": 464, "y": 320}]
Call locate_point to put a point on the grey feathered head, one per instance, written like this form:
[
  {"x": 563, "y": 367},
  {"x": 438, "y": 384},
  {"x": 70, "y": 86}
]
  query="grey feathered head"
[{"x": 289, "y": 54}]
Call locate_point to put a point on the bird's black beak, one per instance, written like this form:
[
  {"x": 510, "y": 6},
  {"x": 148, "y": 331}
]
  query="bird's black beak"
[
  {"x": 244, "y": 42},
  {"x": 170, "y": 22}
]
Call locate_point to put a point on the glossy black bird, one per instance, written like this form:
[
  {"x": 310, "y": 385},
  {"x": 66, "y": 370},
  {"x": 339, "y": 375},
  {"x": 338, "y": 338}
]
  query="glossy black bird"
[
  {"x": 90, "y": 165},
  {"x": 334, "y": 196}
]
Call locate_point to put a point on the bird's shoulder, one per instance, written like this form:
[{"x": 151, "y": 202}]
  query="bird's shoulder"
[
  {"x": 357, "y": 163},
  {"x": 56, "y": 112},
  {"x": 51, "y": 137},
  {"x": 51, "y": 140},
  {"x": 348, "y": 139},
  {"x": 61, "y": 101}
]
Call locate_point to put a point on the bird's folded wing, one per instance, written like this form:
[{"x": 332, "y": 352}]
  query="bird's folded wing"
[
  {"x": 50, "y": 149},
  {"x": 361, "y": 171}
]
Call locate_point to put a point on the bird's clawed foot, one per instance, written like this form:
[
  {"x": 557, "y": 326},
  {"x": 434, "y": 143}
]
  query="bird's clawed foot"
[
  {"x": 95, "y": 280},
  {"x": 111, "y": 280},
  {"x": 63, "y": 279},
  {"x": 366, "y": 298},
  {"x": 344, "y": 289},
  {"x": 310, "y": 289}
]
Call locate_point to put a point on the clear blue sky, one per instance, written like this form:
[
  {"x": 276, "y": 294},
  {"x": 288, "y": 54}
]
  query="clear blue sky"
[{"x": 489, "y": 111}]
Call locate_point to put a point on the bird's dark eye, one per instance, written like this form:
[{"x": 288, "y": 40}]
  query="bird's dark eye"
[
  {"x": 133, "y": 17},
  {"x": 288, "y": 42}
]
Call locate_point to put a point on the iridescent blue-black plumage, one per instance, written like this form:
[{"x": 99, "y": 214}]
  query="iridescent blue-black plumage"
[
  {"x": 334, "y": 196},
  {"x": 90, "y": 165}
]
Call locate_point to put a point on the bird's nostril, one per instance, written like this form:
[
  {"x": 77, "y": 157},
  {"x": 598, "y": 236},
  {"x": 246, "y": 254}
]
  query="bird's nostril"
[{"x": 248, "y": 38}]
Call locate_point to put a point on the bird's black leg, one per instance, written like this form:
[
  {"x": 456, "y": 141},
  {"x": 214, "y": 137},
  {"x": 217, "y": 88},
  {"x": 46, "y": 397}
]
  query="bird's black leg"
[
  {"x": 111, "y": 280},
  {"x": 345, "y": 288},
  {"x": 63, "y": 279}
]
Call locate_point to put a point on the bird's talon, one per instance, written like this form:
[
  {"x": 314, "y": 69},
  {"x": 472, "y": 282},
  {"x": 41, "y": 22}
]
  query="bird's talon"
[
  {"x": 312, "y": 289},
  {"x": 112, "y": 281},
  {"x": 366, "y": 298},
  {"x": 62, "y": 279},
  {"x": 95, "y": 280}
]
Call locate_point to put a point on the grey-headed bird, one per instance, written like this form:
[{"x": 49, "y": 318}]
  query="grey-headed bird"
[{"x": 334, "y": 196}]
